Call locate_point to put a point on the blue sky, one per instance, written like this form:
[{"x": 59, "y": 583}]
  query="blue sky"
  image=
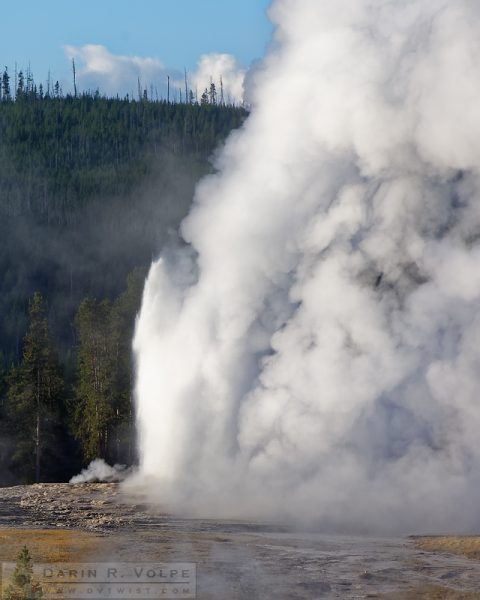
[{"x": 176, "y": 32}]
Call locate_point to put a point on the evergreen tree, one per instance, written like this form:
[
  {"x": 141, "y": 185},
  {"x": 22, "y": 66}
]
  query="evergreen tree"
[
  {"x": 103, "y": 415},
  {"x": 6, "y": 85},
  {"x": 21, "y": 86},
  {"x": 124, "y": 312},
  {"x": 5, "y": 428},
  {"x": 95, "y": 392},
  {"x": 212, "y": 94},
  {"x": 23, "y": 587},
  {"x": 35, "y": 391},
  {"x": 91, "y": 186},
  {"x": 204, "y": 98}
]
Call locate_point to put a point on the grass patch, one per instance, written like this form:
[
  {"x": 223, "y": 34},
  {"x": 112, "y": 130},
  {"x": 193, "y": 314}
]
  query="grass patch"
[
  {"x": 432, "y": 593},
  {"x": 50, "y": 545},
  {"x": 468, "y": 546}
]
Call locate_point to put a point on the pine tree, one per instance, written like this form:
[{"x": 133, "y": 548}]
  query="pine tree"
[
  {"x": 6, "y": 85},
  {"x": 204, "y": 98},
  {"x": 103, "y": 414},
  {"x": 124, "y": 311},
  {"x": 95, "y": 390},
  {"x": 5, "y": 425},
  {"x": 35, "y": 390},
  {"x": 21, "y": 86},
  {"x": 23, "y": 587},
  {"x": 213, "y": 94}
]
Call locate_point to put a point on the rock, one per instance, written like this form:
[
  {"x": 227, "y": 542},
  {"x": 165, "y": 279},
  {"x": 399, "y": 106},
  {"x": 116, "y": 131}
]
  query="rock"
[{"x": 95, "y": 505}]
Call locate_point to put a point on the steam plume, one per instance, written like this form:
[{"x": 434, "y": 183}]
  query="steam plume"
[
  {"x": 98, "y": 470},
  {"x": 315, "y": 352}
]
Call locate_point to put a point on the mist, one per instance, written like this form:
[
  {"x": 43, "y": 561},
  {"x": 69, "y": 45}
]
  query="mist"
[{"x": 312, "y": 353}]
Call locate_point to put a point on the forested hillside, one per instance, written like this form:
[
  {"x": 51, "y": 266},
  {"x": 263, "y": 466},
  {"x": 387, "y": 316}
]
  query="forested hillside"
[{"x": 90, "y": 190}]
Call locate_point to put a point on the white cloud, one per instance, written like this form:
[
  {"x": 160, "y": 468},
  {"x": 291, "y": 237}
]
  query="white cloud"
[
  {"x": 98, "y": 68},
  {"x": 111, "y": 73}
]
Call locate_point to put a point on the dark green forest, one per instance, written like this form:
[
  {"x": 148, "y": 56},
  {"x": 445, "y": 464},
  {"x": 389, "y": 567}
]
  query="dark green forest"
[{"x": 91, "y": 188}]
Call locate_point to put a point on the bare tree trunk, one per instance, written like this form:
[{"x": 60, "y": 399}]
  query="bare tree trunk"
[
  {"x": 117, "y": 439},
  {"x": 74, "y": 78},
  {"x": 37, "y": 433}
]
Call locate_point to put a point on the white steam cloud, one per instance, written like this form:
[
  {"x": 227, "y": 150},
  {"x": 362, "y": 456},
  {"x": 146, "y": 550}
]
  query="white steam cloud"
[
  {"x": 100, "y": 471},
  {"x": 315, "y": 352},
  {"x": 221, "y": 69}
]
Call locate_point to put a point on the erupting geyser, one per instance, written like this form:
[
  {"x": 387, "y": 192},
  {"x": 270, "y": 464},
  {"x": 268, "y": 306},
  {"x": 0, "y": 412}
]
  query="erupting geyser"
[{"x": 314, "y": 352}]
